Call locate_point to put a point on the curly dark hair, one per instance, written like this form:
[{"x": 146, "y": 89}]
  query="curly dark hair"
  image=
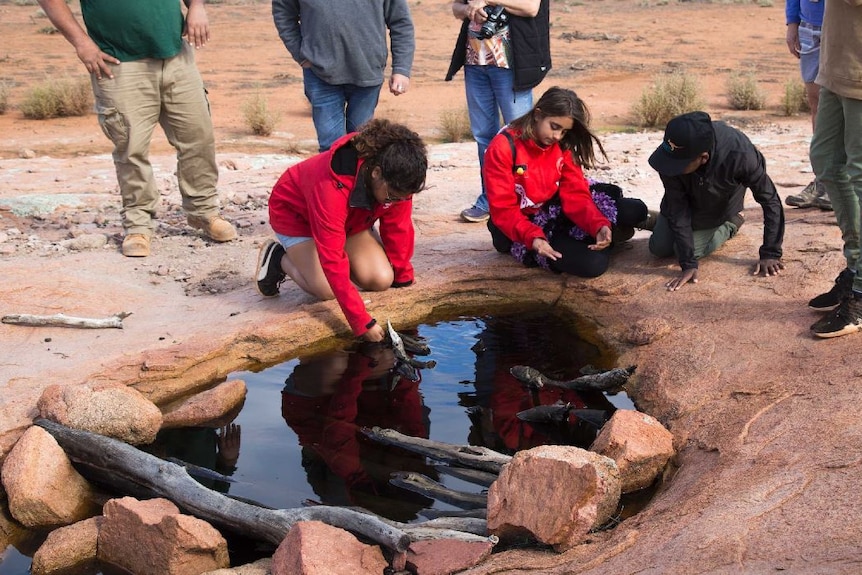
[
  {"x": 399, "y": 152},
  {"x": 579, "y": 140}
]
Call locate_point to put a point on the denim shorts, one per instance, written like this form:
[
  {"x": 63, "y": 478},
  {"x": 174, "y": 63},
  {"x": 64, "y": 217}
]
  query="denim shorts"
[
  {"x": 809, "y": 52},
  {"x": 290, "y": 241}
]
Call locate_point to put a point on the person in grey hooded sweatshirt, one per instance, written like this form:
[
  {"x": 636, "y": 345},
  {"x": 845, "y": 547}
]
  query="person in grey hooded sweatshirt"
[{"x": 342, "y": 49}]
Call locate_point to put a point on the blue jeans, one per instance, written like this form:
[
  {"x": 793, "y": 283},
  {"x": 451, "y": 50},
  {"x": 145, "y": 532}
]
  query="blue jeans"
[
  {"x": 490, "y": 92},
  {"x": 338, "y": 109},
  {"x": 836, "y": 158}
]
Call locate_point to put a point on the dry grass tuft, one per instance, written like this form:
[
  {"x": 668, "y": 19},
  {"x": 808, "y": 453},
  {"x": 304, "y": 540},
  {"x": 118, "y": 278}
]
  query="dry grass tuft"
[
  {"x": 744, "y": 93},
  {"x": 58, "y": 99},
  {"x": 455, "y": 125},
  {"x": 669, "y": 95},
  {"x": 258, "y": 116}
]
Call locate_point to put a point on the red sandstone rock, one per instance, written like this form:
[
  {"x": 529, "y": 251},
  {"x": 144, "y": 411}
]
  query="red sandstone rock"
[
  {"x": 315, "y": 548},
  {"x": 152, "y": 538},
  {"x": 208, "y": 406},
  {"x": 44, "y": 489},
  {"x": 259, "y": 567},
  {"x": 556, "y": 493},
  {"x": 109, "y": 409},
  {"x": 67, "y": 548},
  {"x": 445, "y": 556},
  {"x": 639, "y": 444}
]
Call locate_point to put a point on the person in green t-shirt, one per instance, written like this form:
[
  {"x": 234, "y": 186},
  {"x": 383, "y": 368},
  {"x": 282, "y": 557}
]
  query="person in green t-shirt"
[{"x": 144, "y": 74}]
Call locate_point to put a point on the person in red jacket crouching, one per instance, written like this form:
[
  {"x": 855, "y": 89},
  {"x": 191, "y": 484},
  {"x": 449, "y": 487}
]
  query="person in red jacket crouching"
[
  {"x": 323, "y": 212},
  {"x": 544, "y": 211}
]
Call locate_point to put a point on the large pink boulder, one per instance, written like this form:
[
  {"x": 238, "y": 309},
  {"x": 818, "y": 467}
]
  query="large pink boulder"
[
  {"x": 315, "y": 548},
  {"x": 109, "y": 409},
  {"x": 68, "y": 548},
  {"x": 639, "y": 444},
  {"x": 152, "y": 538},
  {"x": 207, "y": 407},
  {"x": 555, "y": 493},
  {"x": 43, "y": 488}
]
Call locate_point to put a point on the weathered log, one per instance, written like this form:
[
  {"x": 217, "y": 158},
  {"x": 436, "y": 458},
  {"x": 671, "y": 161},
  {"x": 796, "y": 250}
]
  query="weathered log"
[
  {"x": 131, "y": 465},
  {"x": 559, "y": 414},
  {"x": 475, "y": 476},
  {"x": 60, "y": 320},
  {"x": 610, "y": 380},
  {"x": 466, "y": 455},
  {"x": 438, "y": 513},
  {"x": 424, "y": 485}
]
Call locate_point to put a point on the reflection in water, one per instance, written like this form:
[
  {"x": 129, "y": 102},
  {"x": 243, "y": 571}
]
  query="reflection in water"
[
  {"x": 313, "y": 448},
  {"x": 328, "y": 399}
]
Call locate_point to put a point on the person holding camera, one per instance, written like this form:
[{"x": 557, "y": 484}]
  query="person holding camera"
[{"x": 505, "y": 50}]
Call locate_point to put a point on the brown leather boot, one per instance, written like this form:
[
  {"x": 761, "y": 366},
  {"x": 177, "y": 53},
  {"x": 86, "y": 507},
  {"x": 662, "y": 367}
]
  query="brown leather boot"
[
  {"x": 214, "y": 227},
  {"x": 136, "y": 246}
]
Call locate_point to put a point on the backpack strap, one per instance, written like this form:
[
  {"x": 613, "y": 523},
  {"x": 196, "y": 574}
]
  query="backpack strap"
[{"x": 517, "y": 169}]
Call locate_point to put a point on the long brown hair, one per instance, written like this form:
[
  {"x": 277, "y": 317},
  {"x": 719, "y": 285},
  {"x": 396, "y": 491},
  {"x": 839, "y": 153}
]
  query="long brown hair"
[
  {"x": 579, "y": 140},
  {"x": 399, "y": 153}
]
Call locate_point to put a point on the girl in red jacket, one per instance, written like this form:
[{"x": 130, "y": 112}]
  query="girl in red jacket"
[
  {"x": 543, "y": 210},
  {"x": 323, "y": 211}
]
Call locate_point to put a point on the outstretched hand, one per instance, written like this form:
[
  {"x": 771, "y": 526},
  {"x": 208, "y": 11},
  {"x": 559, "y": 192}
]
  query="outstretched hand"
[
  {"x": 603, "y": 239},
  {"x": 543, "y": 248},
  {"x": 769, "y": 267},
  {"x": 679, "y": 281}
]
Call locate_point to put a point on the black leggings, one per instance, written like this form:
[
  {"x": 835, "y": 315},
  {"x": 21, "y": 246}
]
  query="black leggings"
[{"x": 578, "y": 259}]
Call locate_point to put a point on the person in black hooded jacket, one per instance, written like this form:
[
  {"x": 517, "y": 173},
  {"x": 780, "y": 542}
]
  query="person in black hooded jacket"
[{"x": 705, "y": 168}]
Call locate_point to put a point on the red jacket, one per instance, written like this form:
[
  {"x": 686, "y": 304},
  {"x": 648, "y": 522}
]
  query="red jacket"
[
  {"x": 311, "y": 200},
  {"x": 547, "y": 172}
]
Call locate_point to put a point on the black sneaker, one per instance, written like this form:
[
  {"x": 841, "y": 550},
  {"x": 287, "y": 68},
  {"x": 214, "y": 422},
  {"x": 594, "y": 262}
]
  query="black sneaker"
[
  {"x": 842, "y": 288},
  {"x": 269, "y": 272},
  {"x": 843, "y": 320}
]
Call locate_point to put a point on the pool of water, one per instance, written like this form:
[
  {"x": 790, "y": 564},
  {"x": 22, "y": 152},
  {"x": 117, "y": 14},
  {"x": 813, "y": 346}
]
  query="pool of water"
[{"x": 299, "y": 437}]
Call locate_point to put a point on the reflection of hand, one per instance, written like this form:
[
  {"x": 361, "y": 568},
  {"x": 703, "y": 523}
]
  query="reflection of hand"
[
  {"x": 684, "y": 278},
  {"x": 228, "y": 444}
]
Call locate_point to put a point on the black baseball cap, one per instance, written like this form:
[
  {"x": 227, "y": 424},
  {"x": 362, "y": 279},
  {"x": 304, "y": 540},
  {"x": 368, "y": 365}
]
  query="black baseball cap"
[{"x": 685, "y": 138}]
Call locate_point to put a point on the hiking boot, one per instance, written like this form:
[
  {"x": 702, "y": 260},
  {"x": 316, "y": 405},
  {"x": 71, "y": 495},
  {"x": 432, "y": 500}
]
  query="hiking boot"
[
  {"x": 805, "y": 198},
  {"x": 269, "y": 272},
  {"x": 649, "y": 222},
  {"x": 136, "y": 246},
  {"x": 738, "y": 220},
  {"x": 214, "y": 227},
  {"x": 620, "y": 234},
  {"x": 843, "y": 320},
  {"x": 822, "y": 200},
  {"x": 839, "y": 292},
  {"x": 475, "y": 215}
]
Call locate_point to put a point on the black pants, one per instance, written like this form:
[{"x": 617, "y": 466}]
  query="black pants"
[{"x": 578, "y": 259}]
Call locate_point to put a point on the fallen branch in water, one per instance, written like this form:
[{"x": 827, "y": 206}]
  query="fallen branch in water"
[
  {"x": 466, "y": 455},
  {"x": 424, "y": 485},
  {"x": 60, "y": 320},
  {"x": 118, "y": 463}
]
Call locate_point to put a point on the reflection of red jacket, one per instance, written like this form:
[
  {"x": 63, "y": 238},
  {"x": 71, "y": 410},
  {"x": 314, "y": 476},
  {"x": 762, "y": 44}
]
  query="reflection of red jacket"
[
  {"x": 510, "y": 397},
  {"x": 548, "y": 171},
  {"x": 330, "y": 424},
  {"x": 311, "y": 200}
]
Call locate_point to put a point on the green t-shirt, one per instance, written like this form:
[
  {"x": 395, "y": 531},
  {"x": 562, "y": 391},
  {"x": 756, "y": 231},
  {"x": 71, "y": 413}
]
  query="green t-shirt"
[{"x": 135, "y": 29}]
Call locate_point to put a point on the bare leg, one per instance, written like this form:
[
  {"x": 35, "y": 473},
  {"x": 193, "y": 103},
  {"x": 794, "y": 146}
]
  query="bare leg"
[{"x": 302, "y": 264}]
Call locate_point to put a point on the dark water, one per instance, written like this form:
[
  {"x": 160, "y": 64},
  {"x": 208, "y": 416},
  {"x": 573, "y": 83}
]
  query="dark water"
[{"x": 298, "y": 436}]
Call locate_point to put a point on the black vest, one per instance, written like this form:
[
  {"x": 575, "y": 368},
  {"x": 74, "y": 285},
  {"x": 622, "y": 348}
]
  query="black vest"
[{"x": 531, "y": 48}]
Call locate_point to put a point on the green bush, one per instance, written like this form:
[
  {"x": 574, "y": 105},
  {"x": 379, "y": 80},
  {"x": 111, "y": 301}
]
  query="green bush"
[
  {"x": 795, "y": 100},
  {"x": 669, "y": 95},
  {"x": 258, "y": 117},
  {"x": 4, "y": 97},
  {"x": 744, "y": 93},
  {"x": 455, "y": 125},
  {"x": 57, "y": 99}
]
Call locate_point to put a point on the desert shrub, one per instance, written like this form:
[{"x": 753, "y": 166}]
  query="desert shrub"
[
  {"x": 455, "y": 125},
  {"x": 4, "y": 96},
  {"x": 744, "y": 93},
  {"x": 669, "y": 95},
  {"x": 258, "y": 117},
  {"x": 794, "y": 99},
  {"x": 57, "y": 99}
]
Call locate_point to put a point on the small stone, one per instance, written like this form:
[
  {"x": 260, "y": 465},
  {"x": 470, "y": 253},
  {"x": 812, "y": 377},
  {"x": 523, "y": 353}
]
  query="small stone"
[{"x": 26, "y": 154}]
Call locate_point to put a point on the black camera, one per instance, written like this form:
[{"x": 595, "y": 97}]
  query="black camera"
[{"x": 497, "y": 19}]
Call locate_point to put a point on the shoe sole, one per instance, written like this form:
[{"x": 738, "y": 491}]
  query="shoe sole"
[
  {"x": 829, "y": 308},
  {"x": 473, "y": 220},
  {"x": 264, "y": 256},
  {"x": 845, "y": 331}
]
